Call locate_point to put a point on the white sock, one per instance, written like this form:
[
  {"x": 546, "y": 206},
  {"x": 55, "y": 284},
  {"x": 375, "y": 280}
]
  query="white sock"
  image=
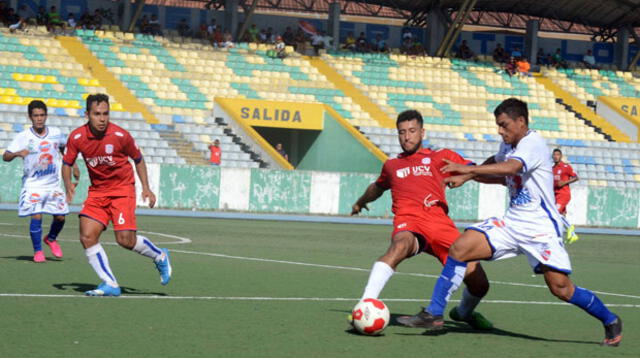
[
  {"x": 468, "y": 304},
  {"x": 380, "y": 274},
  {"x": 146, "y": 248},
  {"x": 100, "y": 262}
]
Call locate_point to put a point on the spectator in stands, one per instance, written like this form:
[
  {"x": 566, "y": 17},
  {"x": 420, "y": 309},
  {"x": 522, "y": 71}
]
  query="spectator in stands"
[
  {"x": 228, "y": 39},
  {"x": 253, "y": 33},
  {"x": 407, "y": 42},
  {"x": 3, "y": 13},
  {"x": 202, "y": 31},
  {"x": 279, "y": 50},
  {"x": 407, "y": 35},
  {"x": 516, "y": 52},
  {"x": 381, "y": 44},
  {"x": 10, "y": 16},
  {"x": 362, "y": 45},
  {"x": 289, "y": 37},
  {"x": 216, "y": 153},
  {"x": 523, "y": 67},
  {"x": 301, "y": 41},
  {"x": 97, "y": 19},
  {"x": 317, "y": 41},
  {"x": 145, "y": 27},
  {"x": 464, "y": 52},
  {"x": 71, "y": 21},
  {"x": 211, "y": 28},
  {"x": 350, "y": 42},
  {"x": 154, "y": 26},
  {"x": 558, "y": 60},
  {"x": 499, "y": 54},
  {"x": 55, "y": 21},
  {"x": 511, "y": 68},
  {"x": 281, "y": 151},
  {"x": 541, "y": 58},
  {"x": 183, "y": 28},
  {"x": 42, "y": 18},
  {"x": 589, "y": 61},
  {"x": 216, "y": 39},
  {"x": 27, "y": 14},
  {"x": 20, "y": 25}
]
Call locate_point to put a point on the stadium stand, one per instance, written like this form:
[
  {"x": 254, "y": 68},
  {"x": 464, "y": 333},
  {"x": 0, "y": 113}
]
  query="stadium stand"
[{"x": 589, "y": 84}]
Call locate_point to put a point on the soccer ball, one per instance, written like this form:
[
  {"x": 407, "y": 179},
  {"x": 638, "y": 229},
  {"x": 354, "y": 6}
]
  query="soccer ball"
[{"x": 370, "y": 316}]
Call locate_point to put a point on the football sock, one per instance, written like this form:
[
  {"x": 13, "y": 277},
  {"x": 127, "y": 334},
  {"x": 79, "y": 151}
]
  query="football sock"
[
  {"x": 468, "y": 304},
  {"x": 100, "y": 263},
  {"x": 35, "y": 230},
  {"x": 589, "y": 302},
  {"x": 380, "y": 274},
  {"x": 448, "y": 282},
  {"x": 145, "y": 247},
  {"x": 56, "y": 227}
]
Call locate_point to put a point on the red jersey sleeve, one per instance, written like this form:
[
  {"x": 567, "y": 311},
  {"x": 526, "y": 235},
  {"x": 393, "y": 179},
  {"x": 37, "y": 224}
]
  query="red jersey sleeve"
[
  {"x": 383, "y": 179},
  {"x": 570, "y": 172},
  {"x": 455, "y": 157},
  {"x": 71, "y": 149},
  {"x": 130, "y": 148}
]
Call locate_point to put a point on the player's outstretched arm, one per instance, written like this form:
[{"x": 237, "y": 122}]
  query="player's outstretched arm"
[
  {"x": 68, "y": 185},
  {"x": 9, "y": 156},
  {"x": 147, "y": 194},
  {"x": 502, "y": 169},
  {"x": 372, "y": 193}
]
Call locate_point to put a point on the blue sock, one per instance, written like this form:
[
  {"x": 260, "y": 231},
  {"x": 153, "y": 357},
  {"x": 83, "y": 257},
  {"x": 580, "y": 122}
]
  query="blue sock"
[
  {"x": 448, "y": 282},
  {"x": 589, "y": 302},
  {"x": 56, "y": 227},
  {"x": 35, "y": 229}
]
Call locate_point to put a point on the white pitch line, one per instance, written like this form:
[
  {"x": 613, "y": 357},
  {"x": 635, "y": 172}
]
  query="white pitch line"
[
  {"x": 314, "y": 299},
  {"x": 179, "y": 239},
  {"x": 351, "y": 268}
]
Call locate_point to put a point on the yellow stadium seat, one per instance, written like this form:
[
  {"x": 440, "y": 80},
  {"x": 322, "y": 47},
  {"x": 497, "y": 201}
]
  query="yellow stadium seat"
[{"x": 117, "y": 106}]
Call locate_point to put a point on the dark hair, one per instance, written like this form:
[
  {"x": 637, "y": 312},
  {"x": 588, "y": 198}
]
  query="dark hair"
[
  {"x": 36, "y": 103},
  {"x": 557, "y": 150},
  {"x": 409, "y": 115},
  {"x": 97, "y": 98},
  {"x": 513, "y": 108}
]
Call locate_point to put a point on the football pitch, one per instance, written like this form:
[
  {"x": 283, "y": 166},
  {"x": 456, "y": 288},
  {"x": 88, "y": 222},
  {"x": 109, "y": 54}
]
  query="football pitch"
[{"x": 284, "y": 289}]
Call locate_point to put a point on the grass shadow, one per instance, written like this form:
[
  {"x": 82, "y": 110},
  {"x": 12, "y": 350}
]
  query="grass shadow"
[
  {"x": 83, "y": 287},
  {"x": 29, "y": 258}
]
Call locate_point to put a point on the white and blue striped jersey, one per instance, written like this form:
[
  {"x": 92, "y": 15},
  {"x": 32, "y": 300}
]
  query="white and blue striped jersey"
[
  {"x": 532, "y": 210},
  {"x": 42, "y": 164}
]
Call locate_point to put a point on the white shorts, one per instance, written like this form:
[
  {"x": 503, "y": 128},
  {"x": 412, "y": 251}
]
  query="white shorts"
[
  {"x": 42, "y": 201},
  {"x": 542, "y": 249}
]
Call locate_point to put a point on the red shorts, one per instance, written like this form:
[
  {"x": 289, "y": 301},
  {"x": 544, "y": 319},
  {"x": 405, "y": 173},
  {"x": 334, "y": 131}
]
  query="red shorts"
[
  {"x": 121, "y": 210},
  {"x": 561, "y": 204},
  {"x": 436, "y": 232}
]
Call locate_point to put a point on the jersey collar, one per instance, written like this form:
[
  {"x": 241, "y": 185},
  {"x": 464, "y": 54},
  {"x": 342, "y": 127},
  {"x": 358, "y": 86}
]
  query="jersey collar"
[{"x": 46, "y": 132}]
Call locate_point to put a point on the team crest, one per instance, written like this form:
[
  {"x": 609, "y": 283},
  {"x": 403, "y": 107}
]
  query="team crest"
[
  {"x": 426, "y": 160},
  {"x": 108, "y": 148}
]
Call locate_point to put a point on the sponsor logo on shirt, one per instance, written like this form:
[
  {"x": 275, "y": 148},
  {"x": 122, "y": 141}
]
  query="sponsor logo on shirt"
[
  {"x": 101, "y": 160},
  {"x": 415, "y": 170},
  {"x": 519, "y": 195},
  {"x": 45, "y": 146},
  {"x": 429, "y": 203},
  {"x": 45, "y": 163}
]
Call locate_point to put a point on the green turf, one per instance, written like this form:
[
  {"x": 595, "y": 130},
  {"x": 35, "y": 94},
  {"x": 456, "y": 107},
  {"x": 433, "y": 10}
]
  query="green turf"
[{"x": 189, "y": 327}]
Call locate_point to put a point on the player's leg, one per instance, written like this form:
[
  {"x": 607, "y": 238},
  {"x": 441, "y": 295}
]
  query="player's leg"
[
  {"x": 561, "y": 286},
  {"x": 122, "y": 211},
  {"x": 403, "y": 244},
  {"x": 471, "y": 246},
  {"x": 477, "y": 286},
  {"x": 35, "y": 232},
  {"x": 51, "y": 238},
  {"x": 90, "y": 230},
  {"x": 56, "y": 204}
]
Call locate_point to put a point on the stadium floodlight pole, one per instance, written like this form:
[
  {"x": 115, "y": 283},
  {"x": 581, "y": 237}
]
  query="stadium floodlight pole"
[
  {"x": 636, "y": 57},
  {"x": 450, "y": 36},
  {"x": 247, "y": 17},
  {"x": 136, "y": 15}
]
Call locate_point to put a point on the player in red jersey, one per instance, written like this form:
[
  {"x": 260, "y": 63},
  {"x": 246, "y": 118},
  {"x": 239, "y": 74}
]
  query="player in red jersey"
[
  {"x": 421, "y": 223},
  {"x": 106, "y": 149},
  {"x": 563, "y": 175}
]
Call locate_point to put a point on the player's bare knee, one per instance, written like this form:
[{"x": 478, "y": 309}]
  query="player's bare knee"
[
  {"x": 126, "y": 239},
  {"x": 457, "y": 251}
]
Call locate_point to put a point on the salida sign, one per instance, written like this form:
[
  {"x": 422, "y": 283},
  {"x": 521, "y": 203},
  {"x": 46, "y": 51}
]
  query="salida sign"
[{"x": 274, "y": 114}]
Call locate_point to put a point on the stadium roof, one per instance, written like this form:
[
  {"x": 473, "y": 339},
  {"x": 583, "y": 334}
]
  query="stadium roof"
[{"x": 595, "y": 13}]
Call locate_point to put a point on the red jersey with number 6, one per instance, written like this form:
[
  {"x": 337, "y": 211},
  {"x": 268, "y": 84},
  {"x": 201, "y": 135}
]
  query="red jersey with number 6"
[
  {"x": 107, "y": 159},
  {"x": 415, "y": 180}
]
